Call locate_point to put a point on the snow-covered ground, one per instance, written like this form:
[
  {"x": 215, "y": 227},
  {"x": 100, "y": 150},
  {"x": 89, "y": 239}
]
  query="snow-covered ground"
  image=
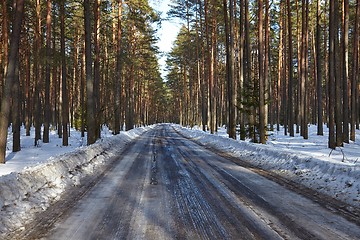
[
  {"x": 309, "y": 162},
  {"x": 37, "y": 176},
  {"x": 31, "y": 155}
]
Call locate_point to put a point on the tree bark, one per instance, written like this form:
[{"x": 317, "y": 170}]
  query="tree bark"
[
  {"x": 47, "y": 112},
  {"x": 331, "y": 82},
  {"x": 90, "y": 103},
  {"x": 290, "y": 105},
  {"x": 318, "y": 65},
  {"x": 262, "y": 120},
  {"x": 338, "y": 83},
  {"x": 10, "y": 77},
  {"x": 355, "y": 73},
  {"x": 65, "y": 100},
  {"x": 345, "y": 68},
  {"x": 37, "y": 76},
  {"x": 118, "y": 72},
  {"x": 230, "y": 67},
  {"x": 97, "y": 67},
  {"x": 16, "y": 101}
]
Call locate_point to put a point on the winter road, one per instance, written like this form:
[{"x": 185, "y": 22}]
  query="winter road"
[{"x": 165, "y": 186}]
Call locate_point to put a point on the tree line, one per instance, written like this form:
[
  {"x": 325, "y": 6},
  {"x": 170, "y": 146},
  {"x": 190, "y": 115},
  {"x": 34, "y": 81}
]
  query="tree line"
[
  {"x": 81, "y": 64},
  {"x": 254, "y": 66}
]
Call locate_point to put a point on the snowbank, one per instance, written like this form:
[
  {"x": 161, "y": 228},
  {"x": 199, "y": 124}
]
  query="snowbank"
[
  {"x": 340, "y": 180},
  {"x": 32, "y": 190}
]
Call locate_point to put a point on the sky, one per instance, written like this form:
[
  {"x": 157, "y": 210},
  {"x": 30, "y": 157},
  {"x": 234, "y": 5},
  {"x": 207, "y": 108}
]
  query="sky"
[{"x": 167, "y": 33}]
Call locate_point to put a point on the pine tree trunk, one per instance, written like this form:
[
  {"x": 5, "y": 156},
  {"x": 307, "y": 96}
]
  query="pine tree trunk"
[
  {"x": 82, "y": 91},
  {"x": 262, "y": 126},
  {"x": 230, "y": 68},
  {"x": 65, "y": 101},
  {"x": 47, "y": 113},
  {"x": 90, "y": 103},
  {"x": 118, "y": 72},
  {"x": 331, "y": 82},
  {"x": 355, "y": 73},
  {"x": 37, "y": 74},
  {"x": 5, "y": 40},
  {"x": 15, "y": 111},
  {"x": 97, "y": 67},
  {"x": 10, "y": 78},
  {"x": 338, "y": 82},
  {"x": 345, "y": 68},
  {"x": 290, "y": 105},
  {"x": 318, "y": 66}
]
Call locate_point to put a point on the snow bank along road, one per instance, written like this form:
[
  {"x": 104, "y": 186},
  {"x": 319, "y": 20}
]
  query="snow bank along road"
[{"x": 165, "y": 186}]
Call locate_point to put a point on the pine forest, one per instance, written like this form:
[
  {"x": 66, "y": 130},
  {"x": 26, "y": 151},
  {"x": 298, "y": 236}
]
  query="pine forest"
[{"x": 252, "y": 66}]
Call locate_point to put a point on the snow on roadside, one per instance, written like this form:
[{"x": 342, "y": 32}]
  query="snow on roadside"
[
  {"x": 33, "y": 189},
  {"x": 309, "y": 166}
]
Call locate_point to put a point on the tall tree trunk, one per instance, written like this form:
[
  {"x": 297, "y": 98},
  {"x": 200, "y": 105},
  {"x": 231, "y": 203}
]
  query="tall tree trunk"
[
  {"x": 290, "y": 105},
  {"x": 281, "y": 67},
  {"x": 230, "y": 67},
  {"x": 10, "y": 78},
  {"x": 345, "y": 68},
  {"x": 355, "y": 72},
  {"x": 331, "y": 82},
  {"x": 16, "y": 110},
  {"x": 318, "y": 66},
  {"x": 90, "y": 102},
  {"x": 241, "y": 71},
  {"x": 47, "y": 115},
  {"x": 118, "y": 72},
  {"x": 267, "y": 75},
  {"x": 248, "y": 70},
  {"x": 338, "y": 83},
  {"x": 28, "y": 91},
  {"x": 97, "y": 66},
  {"x": 210, "y": 64},
  {"x": 304, "y": 72},
  {"x": 37, "y": 74},
  {"x": 262, "y": 120},
  {"x": 82, "y": 91},
  {"x": 65, "y": 101}
]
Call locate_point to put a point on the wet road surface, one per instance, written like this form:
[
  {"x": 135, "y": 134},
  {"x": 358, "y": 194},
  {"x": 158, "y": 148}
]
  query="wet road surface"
[{"x": 164, "y": 186}]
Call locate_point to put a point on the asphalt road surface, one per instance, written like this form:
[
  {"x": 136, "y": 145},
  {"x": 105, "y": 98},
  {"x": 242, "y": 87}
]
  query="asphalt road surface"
[{"x": 165, "y": 186}]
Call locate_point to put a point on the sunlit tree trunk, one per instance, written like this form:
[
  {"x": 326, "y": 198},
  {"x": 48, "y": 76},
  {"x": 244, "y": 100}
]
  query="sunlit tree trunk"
[
  {"x": 97, "y": 67},
  {"x": 318, "y": 66},
  {"x": 47, "y": 112},
  {"x": 289, "y": 104},
  {"x": 262, "y": 120},
  {"x": 117, "y": 95},
  {"x": 304, "y": 71}
]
